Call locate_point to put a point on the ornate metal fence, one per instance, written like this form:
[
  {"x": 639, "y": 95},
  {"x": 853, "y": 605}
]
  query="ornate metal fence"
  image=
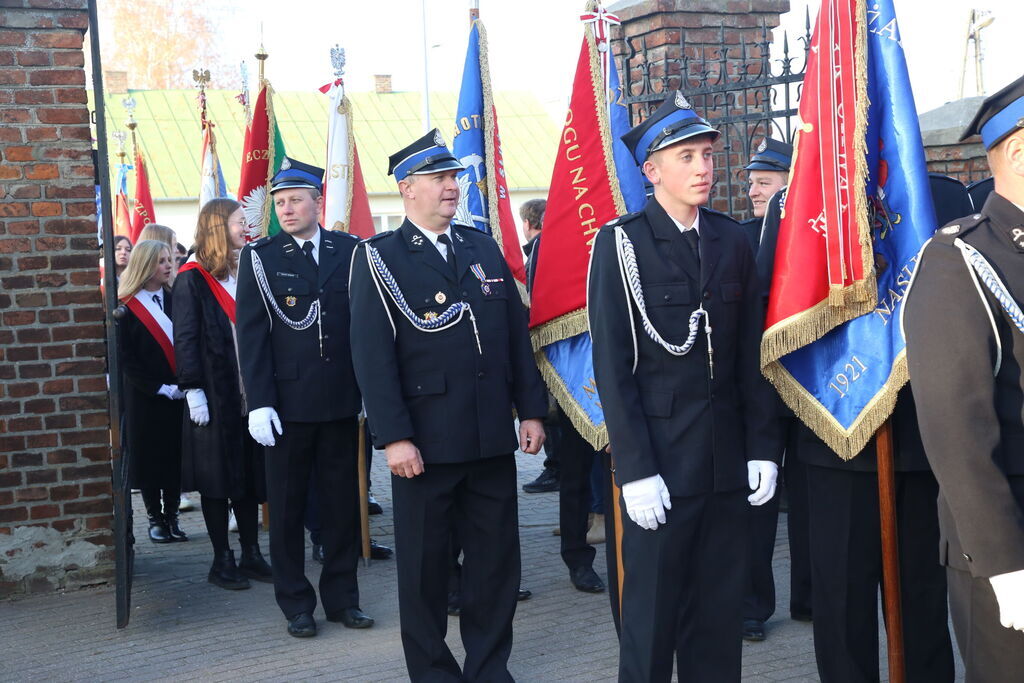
[{"x": 737, "y": 86}]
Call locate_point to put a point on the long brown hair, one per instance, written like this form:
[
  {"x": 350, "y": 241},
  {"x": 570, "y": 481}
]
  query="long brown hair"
[
  {"x": 145, "y": 256},
  {"x": 213, "y": 246}
]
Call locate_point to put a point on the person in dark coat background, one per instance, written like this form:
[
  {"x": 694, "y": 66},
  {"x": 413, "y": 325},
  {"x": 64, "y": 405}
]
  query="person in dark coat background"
[
  {"x": 219, "y": 457},
  {"x": 153, "y": 405}
]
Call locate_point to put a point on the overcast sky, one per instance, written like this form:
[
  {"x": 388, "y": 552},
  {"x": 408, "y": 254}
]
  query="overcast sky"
[{"x": 534, "y": 43}]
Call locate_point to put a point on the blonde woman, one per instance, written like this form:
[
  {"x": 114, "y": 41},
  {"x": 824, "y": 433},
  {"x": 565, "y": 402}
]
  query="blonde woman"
[
  {"x": 220, "y": 459},
  {"x": 153, "y": 405},
  {"x": 161, "y": 233}
]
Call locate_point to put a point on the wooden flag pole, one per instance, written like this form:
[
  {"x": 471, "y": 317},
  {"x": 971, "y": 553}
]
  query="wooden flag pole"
[
  {"x": 364, "y": 494},
  {"x": 890, "y": 553}
]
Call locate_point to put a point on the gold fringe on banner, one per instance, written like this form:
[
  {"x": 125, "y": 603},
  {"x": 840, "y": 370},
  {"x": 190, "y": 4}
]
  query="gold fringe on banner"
[
  {"x": 562, "y": 327},
  {"x": 268, "y": 201},
  {"x": 347, "y": 106},
  {"x": 845, "y": 442},
  {"x": 596, "y": 435}
]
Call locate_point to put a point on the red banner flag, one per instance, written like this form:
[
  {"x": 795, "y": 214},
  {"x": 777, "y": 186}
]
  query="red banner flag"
[
  {"x": 823, "y": 273},
  {"x": 498, "y": 197},
  {"x": 142, "y": 212},
  {"x": 360, "y": 218},
  {"x": 122, "y": 216},
  {"x": 584, "y": 195},
  {"x": 261, "y": 157}
]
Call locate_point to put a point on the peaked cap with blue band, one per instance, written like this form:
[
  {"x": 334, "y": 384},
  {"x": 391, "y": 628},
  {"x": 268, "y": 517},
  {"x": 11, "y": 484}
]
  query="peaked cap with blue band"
[
  {"x": 999, "y": 116},
  {"x": 771, "y": 155},
  {"x": 429, "y": 154},
  {"x": 672, "y": 122},
  {"x": 294, "y": 174}
]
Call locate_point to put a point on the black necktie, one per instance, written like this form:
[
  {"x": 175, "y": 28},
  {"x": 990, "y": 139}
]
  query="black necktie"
[
  {"x": 693, "y": 240},
  {"x": 308, "y": 249},
  {"x": 156, "y": 298},
  {"x": 447, "y": 242}
]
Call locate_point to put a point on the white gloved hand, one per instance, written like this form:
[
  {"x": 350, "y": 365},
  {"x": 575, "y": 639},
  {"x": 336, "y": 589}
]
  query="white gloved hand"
[
  {"x": 762, "y": 476},
  {"x": 198, "y": 407},
  {"x": 646, "y": 501},
  {"x": 1009, "y": 590},
  {"x": 170, "y": 392},
  {"x": 260, "y": 421}
]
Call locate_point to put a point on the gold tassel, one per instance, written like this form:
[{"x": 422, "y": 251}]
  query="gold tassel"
[
  {"x": 562, "y": 327},
  {"x": 596, "y": 435}
]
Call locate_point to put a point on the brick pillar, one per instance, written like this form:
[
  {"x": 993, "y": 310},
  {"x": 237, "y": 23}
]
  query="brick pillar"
[
  {"x": 966, "y": 161},
  {"x": 670, "y": 29},
  {"x": 55, "y": 498}
]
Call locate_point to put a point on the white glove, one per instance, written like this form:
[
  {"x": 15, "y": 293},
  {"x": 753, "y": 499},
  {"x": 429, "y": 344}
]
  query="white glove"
[
  {"x": 260, "y": 421},
  {"x": 762, "y": 475},
  {"x": 170, "y": 391},
  {"x": 646, "y": 501},
  {"x": 198, "y": 408},
  {"x": 1009, "y": 590}
]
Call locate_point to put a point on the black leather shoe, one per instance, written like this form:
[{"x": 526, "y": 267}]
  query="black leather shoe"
[
  {"x": 454, "y": 604},
  {"x": 586, "y": 579},
  {"x": 379, "y": 552},
  {"x": 254, "y": 566},
  {"x": 175, "y": 531},
  {"x": 523, "y": 594},
  {"x": 318, "y": 553},
  {"x": 753, "y": 630},
  {"x": 224, "y": 572},
  {"x": 372, "y": 506},
  {"x": 547, "y": 481},
  {"x": 158, "y": 531},
  {"x": 351, "y": 617},
  {"x": 302, "y": 626}
]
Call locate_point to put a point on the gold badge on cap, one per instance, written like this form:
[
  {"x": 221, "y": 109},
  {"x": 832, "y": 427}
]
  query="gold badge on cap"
[
  {"x": 290, "y": 301},
  {"x": 440, "y": 297}
]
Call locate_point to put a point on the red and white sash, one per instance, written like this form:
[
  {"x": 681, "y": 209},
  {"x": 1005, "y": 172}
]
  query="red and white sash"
[
  {"x": 220, "y": 293},
  {"x": 154, "y": 328}
]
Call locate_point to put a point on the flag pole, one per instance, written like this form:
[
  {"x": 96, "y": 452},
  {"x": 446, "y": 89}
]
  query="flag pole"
[
  {"x": 131, "y": 124},
  {"x": 202, "y": 79},
  {"x": 364, "y": 493},
  {"x": 890, "y": 553},
  {"x": 474, "y": 11},
  {"x": 261, "y": 56}
]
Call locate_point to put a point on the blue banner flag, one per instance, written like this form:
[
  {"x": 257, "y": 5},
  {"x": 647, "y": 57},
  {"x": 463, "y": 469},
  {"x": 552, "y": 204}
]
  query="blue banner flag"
[{"x": 844, "y": 385}]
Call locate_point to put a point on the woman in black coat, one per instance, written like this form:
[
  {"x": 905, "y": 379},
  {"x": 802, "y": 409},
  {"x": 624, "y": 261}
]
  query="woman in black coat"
[
  {"x": 220, "y": 459},
  {"x": 153, "y": 406}
]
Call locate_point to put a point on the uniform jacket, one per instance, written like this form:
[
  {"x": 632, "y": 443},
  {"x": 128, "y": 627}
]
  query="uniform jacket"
[
  {"x": 752, "y": 227},
  {"x": 285, "y": 368},
  {"x": 435, "y": 388},
  {"x": 217, "y": 459},
  {"x": 668, "y": 416},
  {"x": 972, "y": 423},
  {"x": 152, "y": 422}
]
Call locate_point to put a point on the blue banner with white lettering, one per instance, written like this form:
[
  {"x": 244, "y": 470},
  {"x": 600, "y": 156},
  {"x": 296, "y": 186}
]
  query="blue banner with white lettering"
[
  {"x": 846, "y": 382},
  {"x": 572, "y": 358},
  {"x": 469, "y": 146}
]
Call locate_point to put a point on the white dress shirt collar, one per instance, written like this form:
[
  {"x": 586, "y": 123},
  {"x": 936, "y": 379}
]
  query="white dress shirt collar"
[
  {"x": 315, "y": 239},
  {"x": 432, "y": 236},
  {"x": 684, "y": 228}
]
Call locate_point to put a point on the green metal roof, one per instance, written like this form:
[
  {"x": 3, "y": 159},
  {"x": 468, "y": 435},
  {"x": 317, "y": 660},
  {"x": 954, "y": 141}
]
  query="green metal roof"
[{"x": 169, "y": 134}]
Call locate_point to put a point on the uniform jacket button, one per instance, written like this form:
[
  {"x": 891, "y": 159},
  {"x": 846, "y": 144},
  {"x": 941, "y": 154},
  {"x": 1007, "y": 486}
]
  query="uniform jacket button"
[
  {"x": 419, "y": 387},
  {"x": 465, "y": 293},
  {"x": 668, "y": 297},
  {"x": 480, "y": 374},
  {"x": 707, "y": 295},
  {"x": 968, "y": 557}
]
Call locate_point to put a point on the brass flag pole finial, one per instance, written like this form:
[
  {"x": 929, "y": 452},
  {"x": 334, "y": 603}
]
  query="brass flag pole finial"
[
  {"x": 120, "y": 136},
  {"x": 202, "y": 80},
  {"x": 129, "y": 105},
  {"x": 261, "y": 55}
]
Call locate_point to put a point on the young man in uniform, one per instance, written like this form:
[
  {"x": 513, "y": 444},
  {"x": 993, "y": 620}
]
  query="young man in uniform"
[
  {"x": 686, "y": 407},
  {"x": 767, "y": 173},
  {"x": 443, "y": 357},
  {"x": 963, "y": 323},
  {"x": 293, "y": 328}
]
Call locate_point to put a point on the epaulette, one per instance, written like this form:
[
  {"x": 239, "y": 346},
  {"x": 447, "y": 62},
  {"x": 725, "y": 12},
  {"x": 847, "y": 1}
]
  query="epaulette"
[
  {"x": 622, "y": 220},
  {"x": 347, "y": 234},
  {"x": 261, "y": 242},
  {"x": 719, "y": 214},
  {"x": 963, "y": 225},
  {"x": 379, "y": 236}
]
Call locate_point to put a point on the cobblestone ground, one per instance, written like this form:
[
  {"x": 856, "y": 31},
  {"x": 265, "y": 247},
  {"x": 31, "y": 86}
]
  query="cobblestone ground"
[{"x": 183, "y": 628}]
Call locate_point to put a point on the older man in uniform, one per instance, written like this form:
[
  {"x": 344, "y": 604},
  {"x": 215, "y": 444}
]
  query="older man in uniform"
[
  {"x": 965, "y": 350},
  {"x": 293, "y": 327},
  {"x": 685, "y": 403},
  {"x": 442, "y": 353}
]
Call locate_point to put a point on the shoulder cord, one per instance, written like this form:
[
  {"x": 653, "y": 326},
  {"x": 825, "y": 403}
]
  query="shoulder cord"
[
  {"x": 451, "y": 316},
  {"x": 268, "y": 299},
  {"x": 981, "y": 268},
  {"x": 631, "y": 283}
]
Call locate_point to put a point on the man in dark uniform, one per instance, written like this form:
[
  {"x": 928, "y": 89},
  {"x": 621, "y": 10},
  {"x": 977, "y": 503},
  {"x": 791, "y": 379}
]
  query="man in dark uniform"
[
  {"x": 767, "y": 173},
  {"x": 293, "y": 341},
  {"x": 686, "y": 414},
  {"x": 443, "y": 357},
  {"x": 963, "y": 325}
]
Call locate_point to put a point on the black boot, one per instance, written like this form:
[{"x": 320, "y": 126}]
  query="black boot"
[
  {"x": 254, "y": 566},
  {"x": 158, "y": 530},
  {"x": 224, "y": 572},
  {"x": 171, "y": 502}
]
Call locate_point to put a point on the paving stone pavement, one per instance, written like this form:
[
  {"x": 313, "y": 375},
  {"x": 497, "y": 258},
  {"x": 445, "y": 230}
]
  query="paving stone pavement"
[{"x": 183, "y": 628}]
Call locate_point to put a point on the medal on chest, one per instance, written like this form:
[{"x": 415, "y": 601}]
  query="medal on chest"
[{"x": 485, "y": 282}]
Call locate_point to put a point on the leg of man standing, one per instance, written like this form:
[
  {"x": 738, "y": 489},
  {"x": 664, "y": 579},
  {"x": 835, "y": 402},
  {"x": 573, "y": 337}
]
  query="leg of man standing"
[{"x": 576, "y": 459}]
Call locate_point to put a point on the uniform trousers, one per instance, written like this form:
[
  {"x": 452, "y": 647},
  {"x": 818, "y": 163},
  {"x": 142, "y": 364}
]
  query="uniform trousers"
[
  {"x": 846, "y": 570},
  {"x": 478, "y": 501},
  {"x": 991, "y": 652},
  {"x": 575, "y": 462},
  {"x": 331, "y": 447},
  {"x": 682, "y": 591}
]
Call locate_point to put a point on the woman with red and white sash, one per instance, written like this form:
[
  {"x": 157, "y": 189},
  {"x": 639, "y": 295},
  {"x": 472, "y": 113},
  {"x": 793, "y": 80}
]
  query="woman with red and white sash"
[
  {"x": 219, "y": 458},
  {"x": 153, "y": 405}
]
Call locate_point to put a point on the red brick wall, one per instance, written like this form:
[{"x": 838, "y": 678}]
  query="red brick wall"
[
  {"x": 55, "y": 499},
  {"x": 965, "y": 161}
]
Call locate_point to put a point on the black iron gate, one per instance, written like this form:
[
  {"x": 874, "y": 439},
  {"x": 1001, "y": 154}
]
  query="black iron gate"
[{"x": 737, "y": 87}]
